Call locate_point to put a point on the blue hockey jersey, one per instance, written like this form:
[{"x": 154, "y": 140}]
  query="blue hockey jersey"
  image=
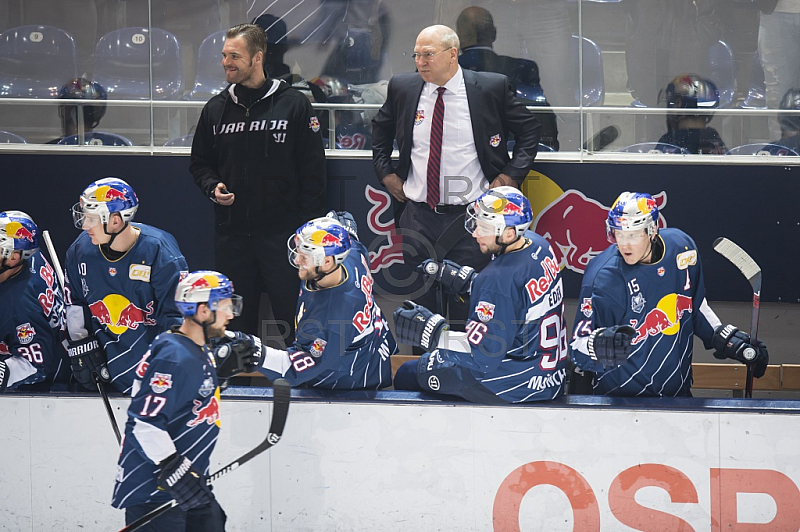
[
  {"x": 32, "y": 324},
  {"x": 128, "y": 301},
  {"x": 175, "y": 408},
  {"x": 664, "y": 302},
  {"x": 342, "y": 341},
  {"x": 516, "y": 334}
]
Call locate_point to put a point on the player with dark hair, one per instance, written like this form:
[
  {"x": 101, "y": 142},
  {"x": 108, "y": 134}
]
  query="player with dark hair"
[
  {"x": 120, "y": 281},
  {"x": 173, "y": 419},
  {"x": 691, "y": 131},
  {"x": 514, "y": 348},
  {"x": 257, "y": 154},
  {"x": 343, "y": 342},
  {"x": 641, "y": 302},
  {"x": 32, "y": 316}
]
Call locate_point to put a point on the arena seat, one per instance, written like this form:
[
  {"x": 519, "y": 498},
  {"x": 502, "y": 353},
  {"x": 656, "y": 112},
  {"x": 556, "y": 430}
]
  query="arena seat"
[
  {"x": 654, "y": 147},
  {"x": 761, "y": 148},
  {"x": 122, "y": 64},
  {"x": 35, "y": 61},
  {"x": 593, "y": 92},
  {"x": 97, "y": 138},
  {"x": 185, "y": 140},
  {"x": 757, "y": 93},
  {"x": 210, "y": 77},
  {"x": 6, "y": 137},
  {"x": 722, "y": 71}
]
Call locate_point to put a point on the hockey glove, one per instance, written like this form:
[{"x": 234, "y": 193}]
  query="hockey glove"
[
  {"x": 88, "y": 362},
  {"x": 237, "y": 352},
  {"x": 186, "y": 485},
  {"x": 418, "y": 326},
  {"x": 611, "y": 346},
  {"x": 455, "y": 279},
  {"x": 730, "y": 342},
  {"x": 347, "y": 221},
  {"x": 5, "y": 374}
]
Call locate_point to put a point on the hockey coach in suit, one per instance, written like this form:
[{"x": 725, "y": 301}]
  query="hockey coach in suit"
[{"x": 451, "y": 126}]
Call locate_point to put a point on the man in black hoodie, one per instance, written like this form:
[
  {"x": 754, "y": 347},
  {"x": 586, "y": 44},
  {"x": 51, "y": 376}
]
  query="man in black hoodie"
[{"x": 257, "y": 154}]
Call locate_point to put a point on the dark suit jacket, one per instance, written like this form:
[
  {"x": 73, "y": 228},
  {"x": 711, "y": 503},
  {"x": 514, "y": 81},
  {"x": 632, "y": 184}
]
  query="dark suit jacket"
[{"x": 493, "y": 108}]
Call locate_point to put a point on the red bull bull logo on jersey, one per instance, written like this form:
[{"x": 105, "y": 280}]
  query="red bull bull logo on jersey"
[
  {"x": 25, "y": 333},
  {"x": 161, "y": 382},
  {"x": 18, "y": 231},
  {"x": 664, "y": 319},
  {"x": 208, "y": 413},
  {"x": 318, "y": 347},
  {"x": 484, "y": 311},
  {"x": 119, "y": 314}
]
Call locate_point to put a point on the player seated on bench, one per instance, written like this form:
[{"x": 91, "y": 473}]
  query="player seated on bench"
[
  {"x": 641, "y": 302},
  {"x": 342, "y": 340},
  {"x": 514, "y": 348}
]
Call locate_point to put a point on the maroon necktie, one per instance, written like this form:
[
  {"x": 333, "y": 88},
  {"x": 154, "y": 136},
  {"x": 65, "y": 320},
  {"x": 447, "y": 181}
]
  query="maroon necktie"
[{"x": 435, "y": 155}]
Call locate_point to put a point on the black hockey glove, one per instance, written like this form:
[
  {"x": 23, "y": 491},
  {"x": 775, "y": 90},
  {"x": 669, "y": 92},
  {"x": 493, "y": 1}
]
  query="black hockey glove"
[
  {"x": 5, "y": 374},
  {"x": 455, "y": 279},
  {"x": 418, "y": 326},
  {"x": 730, "y": 342},
  {"x": 88, "y": 362},
  {"x": 347, "y": 221},
  {"x": 611, "y": 346},
  {"x": 237, "y": 352},
  {"x": 186, "y": 485}
]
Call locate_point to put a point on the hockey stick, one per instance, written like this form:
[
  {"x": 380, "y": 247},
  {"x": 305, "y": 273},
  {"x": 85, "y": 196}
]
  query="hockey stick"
[
  {"x": 51, "y": 250},
  {"x": 281, "y": 396},
  {"x": 750, "y": 269}
]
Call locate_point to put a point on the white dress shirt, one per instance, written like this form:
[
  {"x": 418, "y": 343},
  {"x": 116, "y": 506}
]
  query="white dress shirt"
[{"x": 461, "y": 176}]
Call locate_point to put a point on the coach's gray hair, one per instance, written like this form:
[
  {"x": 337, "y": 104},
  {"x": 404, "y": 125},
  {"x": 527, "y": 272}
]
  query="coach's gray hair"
[{"x": 254, "y": 36}]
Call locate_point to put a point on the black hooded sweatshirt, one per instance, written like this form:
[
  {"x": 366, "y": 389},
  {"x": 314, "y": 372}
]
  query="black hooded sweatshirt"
[{"x": 265, "y": 144}]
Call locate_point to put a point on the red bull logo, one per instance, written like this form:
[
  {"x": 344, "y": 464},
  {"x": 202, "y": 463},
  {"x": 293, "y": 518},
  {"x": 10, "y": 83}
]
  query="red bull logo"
[
  {"x": 105, "y": 193},
  {"x": 208, "y": 413},
  {"x": 323, "y": 238},
  {"x": 119, "y": 314},
  {"x": 419, "y": 117},
  {"x": 206, "y": 281},
  {"x": 313, "y": 123},
  {"x": 25, "y": 333},
  {"x": 484, "y": 311},
  {"x": 161, "y": 382},
  {"x": 664, "y": 319},
  {"x": 392, "y": 251},
  {"x": 318, "y": 346},
  {"x": 575, "y": 225},
  {"x": 586, "y": 307},
  {"x": 18, "y": 231}
]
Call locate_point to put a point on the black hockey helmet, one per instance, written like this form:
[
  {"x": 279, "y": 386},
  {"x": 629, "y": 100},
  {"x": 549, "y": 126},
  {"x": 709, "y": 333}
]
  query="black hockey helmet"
[
  {"x": 83, "y": 89},
  {"x": 690, "y": 91}
]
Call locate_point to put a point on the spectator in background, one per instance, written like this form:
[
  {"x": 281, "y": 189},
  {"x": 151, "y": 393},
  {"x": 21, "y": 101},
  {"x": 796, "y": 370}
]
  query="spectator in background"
[
  {"x": 790, "y": 124},
  {"x": 257, "y": 154},
  {"x": 691, "y": 131},
  {"x": 476, "y": 32},
  {"x": 80, "y": 119},
  {"x": 778, "y": 45},
  {"x": 358, "y": 31}
]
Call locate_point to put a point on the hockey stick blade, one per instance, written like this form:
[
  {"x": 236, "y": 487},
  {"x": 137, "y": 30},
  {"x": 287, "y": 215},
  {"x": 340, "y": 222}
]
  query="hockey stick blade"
[
  {"x": 281, "y": 397},
  {"x": 752, "y": 272}
]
